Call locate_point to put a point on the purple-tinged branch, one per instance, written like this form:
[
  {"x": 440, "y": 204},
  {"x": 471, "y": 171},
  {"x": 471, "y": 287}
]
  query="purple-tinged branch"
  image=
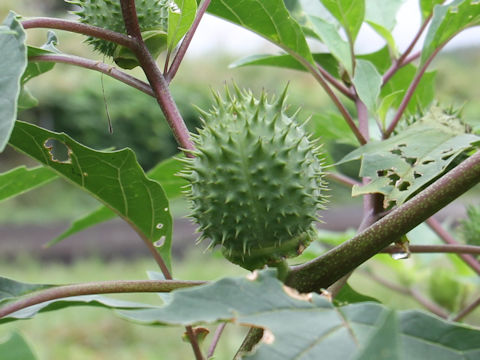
[
  {"x": 101, "y": 287},
  {"x": 335, "y": 83},
  {"x": 467, "y": 310},
  {"x": 79, "y": 28},
  {"x": 339, "y": 261},
  {"x": 447, "y": 238},
  {"x": 172, "y": 71},
  {"x": 97, "y": 66},
  {"x": 215, "y": 340},
  {"x": 342, "y": 179}
]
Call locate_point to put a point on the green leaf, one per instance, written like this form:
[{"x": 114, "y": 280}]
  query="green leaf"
[
  {"x": 384, "y": 342},
  {"x": 426, "y": 7},
  {"x": 448, "y": 21},
  {"x": 16, "y": 348},
  {"x": 332, "y": 126},
  {"x": 268, "y": 18},
  {"x": 367, "y": 83},
  {"x": 349, "y": 13},
  {"x": 84, "y": 300},
  {"x": 383, "y": 12},
  {"x": 327, "y": 61},
  {"x": 179, "y": 21},
  {"x": 11, "y": 289},
  {"x": 20, "y": 180},
  {"x": 348, "y": 295},
  {"x": 165, "y": 173},
  {"x": 113, "y": 177},
  {"x": 332, "y": 39},
  {"x": 380, "y": 59},
  {"x": 309, "y": 327},
  {"x": 399, "y": 83},
  {"x": 407, "y": 162},
  {"x": 12, "y": 66}
]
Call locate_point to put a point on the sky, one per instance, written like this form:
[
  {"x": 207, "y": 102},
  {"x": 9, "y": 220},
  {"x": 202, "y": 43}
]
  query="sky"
[{"x": 215, "y": 34}]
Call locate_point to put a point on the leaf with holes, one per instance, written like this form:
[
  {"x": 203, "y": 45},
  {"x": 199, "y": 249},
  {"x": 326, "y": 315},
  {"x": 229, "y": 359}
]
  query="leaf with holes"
[
  {"x": 268, "y": 18},
  {"x": 405, "y": 163},
  {"x": 12, "y": 66},
  {"x": 20, "y": 180},
  {"x": 317, "y": 328},
  {"x": 113, "y": 177},
  {"x": 447, "y": 21},
  {"x": 165, "y": 173}
]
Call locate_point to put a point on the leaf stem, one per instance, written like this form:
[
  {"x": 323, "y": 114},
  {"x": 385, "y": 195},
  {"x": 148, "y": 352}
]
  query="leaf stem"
[
  {"x": 408, "y": 95},
  {"x": 97, "y": 66},
  {"x": 447, "y": 238},
  {"x": 335, "y": 83},
  {"x": 414, "y": 293},
  {"x": 79, "y": 28},
  {"x": 467, "y": 310},
  {"x": 101, "y": 287},
  {"x": 172, "y": 71},
  {"x": 339, "y": 261},
  {"x": 216, "y": 337},
  {"x": 342, "y": 179},
  {"x": 454, "y": 249},
  {"x": 401, "y": 61}
]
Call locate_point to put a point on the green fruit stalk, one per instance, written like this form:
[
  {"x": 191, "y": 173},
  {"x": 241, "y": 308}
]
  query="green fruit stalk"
[
  {"x": 152, "y": 18},
  {"x": 256, "y": 180}
]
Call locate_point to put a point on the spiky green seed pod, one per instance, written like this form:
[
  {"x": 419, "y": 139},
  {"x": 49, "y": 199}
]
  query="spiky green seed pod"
[
  {"x": 152, "y": 18},
  {"x": 255, "y": 180}
]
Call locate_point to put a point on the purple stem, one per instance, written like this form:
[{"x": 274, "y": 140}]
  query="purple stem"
[
  {"x": 97, "y": 66},
  {"x": 186, "y": 42}
]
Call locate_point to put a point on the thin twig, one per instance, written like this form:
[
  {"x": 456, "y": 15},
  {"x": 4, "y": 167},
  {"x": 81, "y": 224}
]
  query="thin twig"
[
  {"x": 216, "y": 338},
  {"x": 172, "y": 71},
  {"x": 426, "y": 303},
  {"x": 342, "y": 179},
  {"x": 97, "y": 66},
  {"x": 401, "y": 61},
  {"x": 169, "y": 108},
  {"x": 335, "y": 83},
  {"x": 467, "y": 310},
  {"x": 447, "y": 238},
  {"x": 408, "y": 95},
  {"x": 79, "y": 28},
  {"x": 452, "y": 249},
  {"x": 101, "y": 287}
]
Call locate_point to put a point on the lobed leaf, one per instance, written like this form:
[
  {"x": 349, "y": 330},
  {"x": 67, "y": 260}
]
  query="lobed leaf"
[
  {"x": 316, "y": 329},
  {"x": 165, "y": 173},
  {"x": 16, "y": 348},
  {"x": 447, "y": 21},
  {"x": 401, "y": 165},
  {"x": 268, "y": 18},
  {"x": 12, "y": 66},
  {"x": 20, "y": 180},
  {"x": 83, "y": 300},
  {"x": 113, "y": 177}
]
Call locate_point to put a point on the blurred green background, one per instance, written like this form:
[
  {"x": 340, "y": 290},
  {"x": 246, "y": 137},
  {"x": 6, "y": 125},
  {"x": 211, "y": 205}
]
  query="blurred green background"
[{"x": 75, "y": 101}]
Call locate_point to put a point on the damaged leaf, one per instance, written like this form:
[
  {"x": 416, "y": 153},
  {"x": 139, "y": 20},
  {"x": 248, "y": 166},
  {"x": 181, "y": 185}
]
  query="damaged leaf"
[
  {"x": 407, "y": 162},
  {"x": 113, "y": 177}
]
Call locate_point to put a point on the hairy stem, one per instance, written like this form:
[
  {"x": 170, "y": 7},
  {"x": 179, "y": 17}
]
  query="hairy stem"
[
  {"x": 177, "y": 60},
  {"x": 101, "y": 287},
  {"x": 328, "y": 268},
  {"x": 447, "y": 238},
  {"x": 97, "y": 66},
  {"x": 79, "y": 28}
]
